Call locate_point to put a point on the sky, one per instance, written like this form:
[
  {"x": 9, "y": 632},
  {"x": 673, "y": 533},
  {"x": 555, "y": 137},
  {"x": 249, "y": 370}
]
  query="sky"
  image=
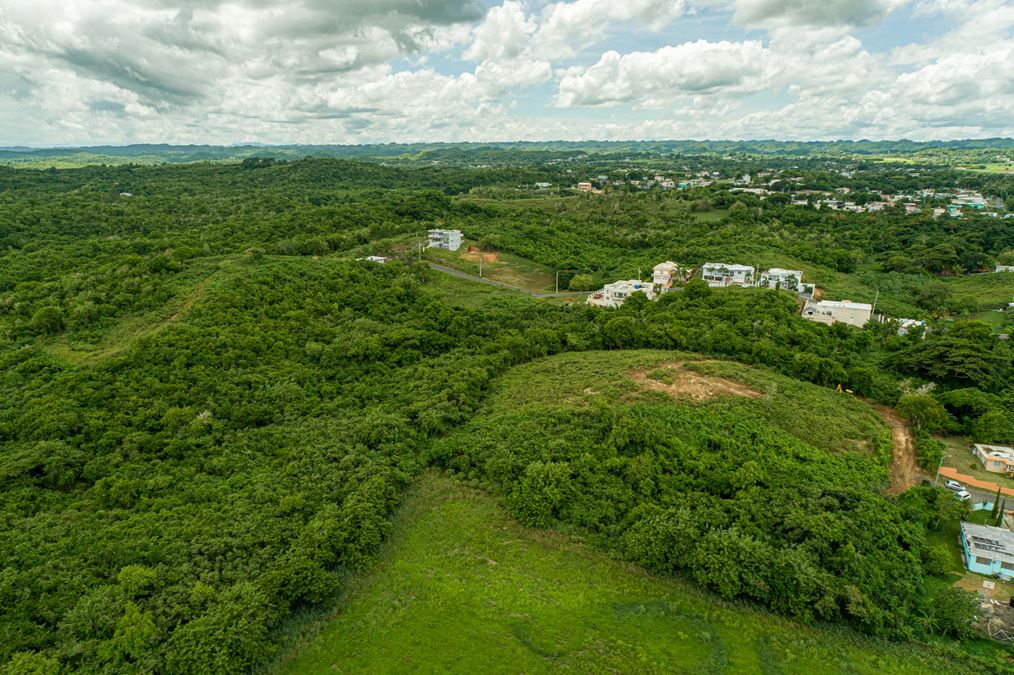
[{"x": 87, "y": 72}]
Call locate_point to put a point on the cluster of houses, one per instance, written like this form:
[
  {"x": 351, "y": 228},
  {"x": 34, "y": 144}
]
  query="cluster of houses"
[
  {"x": 665, "y": 277},
  {"x": 669, "y": 275},
  {"x": 989, "y": 550}
]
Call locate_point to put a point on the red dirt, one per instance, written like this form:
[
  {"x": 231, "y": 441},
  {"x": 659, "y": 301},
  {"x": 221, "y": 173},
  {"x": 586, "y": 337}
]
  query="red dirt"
[
  {"x": 688, "y": 384},
  {"x": 904, "y": 467}
]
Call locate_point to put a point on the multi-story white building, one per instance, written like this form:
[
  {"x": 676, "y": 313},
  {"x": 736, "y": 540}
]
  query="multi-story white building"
[
  {"x": 776, "y": 277},
  {"x": 838, "y": 311},
  {"x": 668, "y": 275},
  {"x": 616, "y": 293},
  {"x": 449, "y": 240},
  {"x": 721, "y": 274}
]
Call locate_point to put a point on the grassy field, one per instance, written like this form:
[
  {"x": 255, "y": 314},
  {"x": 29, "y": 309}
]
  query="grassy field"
[
  {"x": 462, "y": 588},
  {"x": 496, "y": 265}
]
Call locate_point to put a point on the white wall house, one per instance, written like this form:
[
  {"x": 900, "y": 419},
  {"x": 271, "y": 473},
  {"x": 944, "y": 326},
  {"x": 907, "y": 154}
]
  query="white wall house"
[
  {"x": 722, "y": 274},
  {"x": 449, "y": 240},
  {"x": 776, "y": 277},
  {"x": 616, "y": 293},
  {"x": 668, "y": 275},
  {"x": 1004, "y": 268},
  {"x": 838, "y": 311}
]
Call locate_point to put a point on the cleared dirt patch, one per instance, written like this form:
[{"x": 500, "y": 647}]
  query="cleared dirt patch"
[
  {"x": 472, "y": 255},
  {"x": 904, "y": 467},
  {"x": 678, "y": 382}
]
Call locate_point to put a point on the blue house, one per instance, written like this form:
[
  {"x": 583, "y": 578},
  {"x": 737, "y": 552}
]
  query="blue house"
[{"x": 988, "y": 550}]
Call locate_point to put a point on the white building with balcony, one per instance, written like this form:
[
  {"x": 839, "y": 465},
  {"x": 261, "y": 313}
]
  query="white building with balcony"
[
  {"x": 722, "y": 274},
  {"x": 449, "y": 240},
  {"x": 616, "y": 293},
  {"x": 777, "y": 278}
]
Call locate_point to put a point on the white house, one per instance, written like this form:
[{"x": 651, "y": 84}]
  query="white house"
[
  {"x": 382, "y": 260},
  {"x": 776, "y": 277},
  {"x": 905, "y": 325},
  {"x": 449, "y": 240},
  {"x": 616, "y": 293},
  {"x": 1004, "y": 268},
  {"x": 838, "y": 311},
  {"x": 667, "y": 275},
  {"x": 721, "y": 274}
]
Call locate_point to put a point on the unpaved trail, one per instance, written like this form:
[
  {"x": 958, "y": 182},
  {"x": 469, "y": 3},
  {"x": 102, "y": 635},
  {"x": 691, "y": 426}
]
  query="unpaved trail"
[{"x": 904, "y": 467}]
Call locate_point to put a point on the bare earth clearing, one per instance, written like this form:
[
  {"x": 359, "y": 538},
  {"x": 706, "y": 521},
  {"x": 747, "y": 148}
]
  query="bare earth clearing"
[
  {"x": 904, "y": 468},
  {"x": 682, "y": 383}
]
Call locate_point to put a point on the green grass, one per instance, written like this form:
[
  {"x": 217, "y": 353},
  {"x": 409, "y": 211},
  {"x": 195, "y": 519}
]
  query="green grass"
[
  {"x": 461, "y": 588},
  {"x": 464, "y": 293},
  {"x": 983, "y": 291},
  {"x": 817, "y": 415},
  {"x": 192, "y": 287},
  {"x": 710, "y": 216},
  {"x": 507, "y": 268}
]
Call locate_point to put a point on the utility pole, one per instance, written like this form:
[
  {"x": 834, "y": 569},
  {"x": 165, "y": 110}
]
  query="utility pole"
[
  {"x": 936, "y": 478},
  {"x": 558, "y": 278},
  {"x": 873, "y": 311},
  {"x": 481, "y": 256}
]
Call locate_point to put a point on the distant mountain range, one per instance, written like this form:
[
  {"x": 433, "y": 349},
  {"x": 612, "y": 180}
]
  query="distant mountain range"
[{"x": 485, "y": 152}]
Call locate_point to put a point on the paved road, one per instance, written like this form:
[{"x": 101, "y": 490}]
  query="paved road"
[{"x": 471, "y": 277}]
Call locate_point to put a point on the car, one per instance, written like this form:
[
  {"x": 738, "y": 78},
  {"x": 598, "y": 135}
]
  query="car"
[
  {"x": 963, "y": 495},
  {"x": 953, "y": 485}
]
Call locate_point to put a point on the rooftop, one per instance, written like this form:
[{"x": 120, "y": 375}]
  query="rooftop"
[
  {"x": 996, "y": 450},
  {"x": 842, "y": 304},
  {"x": 994, "y": 543}
]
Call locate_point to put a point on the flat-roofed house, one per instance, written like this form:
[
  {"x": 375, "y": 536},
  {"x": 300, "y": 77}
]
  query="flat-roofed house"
[
  {"x": 838, "y": 311},
  {"x": 776, "y": 277},
  {"x": 995, "y": 458},
  {"x": 449, "y": 240},
  {"x": 988, "y": 550},
  {"x": 722, "y": 274},
  {"x": 616, "y": 293}
]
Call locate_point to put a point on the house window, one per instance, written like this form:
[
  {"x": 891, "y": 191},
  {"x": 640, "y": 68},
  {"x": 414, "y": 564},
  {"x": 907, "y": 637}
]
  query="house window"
[
  {"x": 1007, "y": 566},
  {"x": 983, "y": 561}
]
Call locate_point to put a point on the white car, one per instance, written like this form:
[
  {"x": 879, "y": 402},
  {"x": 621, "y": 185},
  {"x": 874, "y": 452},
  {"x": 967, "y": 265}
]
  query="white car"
[
  {"x": 953, "y": 485},
  {"x": 963, "y": 495}
]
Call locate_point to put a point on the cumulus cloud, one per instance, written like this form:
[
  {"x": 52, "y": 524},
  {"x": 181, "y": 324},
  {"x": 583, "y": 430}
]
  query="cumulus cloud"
[
  {"x": 655, "y": 78},
  {"x": 88, "y": 71},
  {"x": 808, "y": 13}
]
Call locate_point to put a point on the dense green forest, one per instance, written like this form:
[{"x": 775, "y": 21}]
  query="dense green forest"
[{"x": 211, "y": 409}]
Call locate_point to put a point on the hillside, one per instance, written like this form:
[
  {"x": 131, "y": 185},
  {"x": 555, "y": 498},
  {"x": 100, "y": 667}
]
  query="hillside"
[
  {"x": 462, "y": 588},
  {"x": 742, "y": 479}
]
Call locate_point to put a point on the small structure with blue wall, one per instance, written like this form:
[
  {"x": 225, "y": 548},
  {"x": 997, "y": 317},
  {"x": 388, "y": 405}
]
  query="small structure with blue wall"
[{"x": 988, "y": 550}]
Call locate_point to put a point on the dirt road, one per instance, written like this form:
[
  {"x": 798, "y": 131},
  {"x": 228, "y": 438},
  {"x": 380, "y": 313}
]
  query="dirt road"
[{"x": 904, "y": 467}]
